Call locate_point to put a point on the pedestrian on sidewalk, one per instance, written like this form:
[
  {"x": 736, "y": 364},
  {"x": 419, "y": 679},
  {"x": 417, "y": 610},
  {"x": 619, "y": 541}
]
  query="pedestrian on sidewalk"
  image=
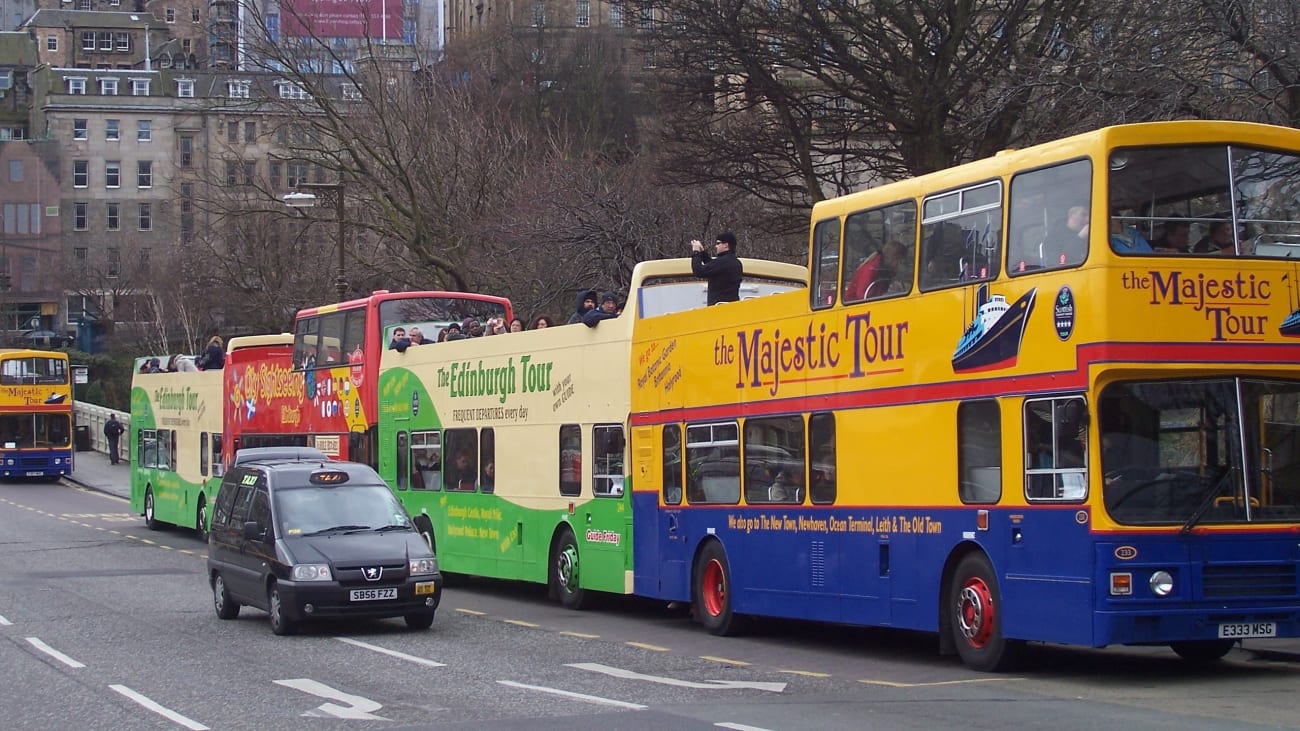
[{"x": 112, "y": 430}]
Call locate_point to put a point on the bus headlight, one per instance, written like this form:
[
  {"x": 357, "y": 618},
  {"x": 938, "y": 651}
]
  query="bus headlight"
[
  {"x": 1161, "y": 583},
  {"x": 311, "y": 572}
]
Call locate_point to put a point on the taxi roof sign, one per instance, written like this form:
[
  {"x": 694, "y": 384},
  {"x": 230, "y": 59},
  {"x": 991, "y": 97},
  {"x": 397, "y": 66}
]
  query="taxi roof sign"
[{"x": 329, "y": 477}]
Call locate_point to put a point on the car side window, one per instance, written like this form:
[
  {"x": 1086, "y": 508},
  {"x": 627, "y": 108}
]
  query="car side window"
[
  {"x": 244, "y": 500},
  {"x": 260, "y": 512},
  {"x": 226, "y": 499}
]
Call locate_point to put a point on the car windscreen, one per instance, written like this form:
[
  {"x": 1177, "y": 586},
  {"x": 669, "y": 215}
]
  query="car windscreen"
[{"x": 309, "y": 510}]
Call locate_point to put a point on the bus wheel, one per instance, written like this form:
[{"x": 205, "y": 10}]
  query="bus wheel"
[
  {"x": 712, "y": 603},
  {"x": 201, "y": 521},
  {"x": 150, "y": 517},
  {"x": 976, "y": 604},
  {"x": 1203, "y": 651},
  {"x": 565, "y": 581},
  {"x": 425, "y": 526}
]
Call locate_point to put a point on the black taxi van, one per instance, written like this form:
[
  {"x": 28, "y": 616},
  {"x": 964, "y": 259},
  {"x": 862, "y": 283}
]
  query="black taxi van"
[{"x": 308, "y": 538}]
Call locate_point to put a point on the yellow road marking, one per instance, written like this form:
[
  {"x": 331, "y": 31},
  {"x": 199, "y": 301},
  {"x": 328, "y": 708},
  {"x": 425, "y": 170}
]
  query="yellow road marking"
[
  {"x": 723, "y": 660},
  {"x": 471, "y": 611},
  {"x": 806, "y": 673},
  {"x": 521, "y": 623},
  {"x": 583, "y": 635},
  {"x": 894, "y": 684},
  {"x": 644, "y": 646}
]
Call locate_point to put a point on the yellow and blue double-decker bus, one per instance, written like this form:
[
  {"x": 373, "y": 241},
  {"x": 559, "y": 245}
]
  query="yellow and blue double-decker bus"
[
  {"x": 1053, "y": 395},
  {"x": 35, "y": 414}
]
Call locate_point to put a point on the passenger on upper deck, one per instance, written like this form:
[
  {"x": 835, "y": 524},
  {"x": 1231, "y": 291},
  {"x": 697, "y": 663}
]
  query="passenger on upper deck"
[
  {"x": 1174, "y": 237},
  {"x": 724, "y": 271},
  {"x": 399, "y": 342},
  {"x": 214, "y": 357},
  {"x": 1068, "y": 243},
  {"x": 1217, "y": 241},
  {"x": 585, "y": 303},
  {"x": 1127, "y": 240},
  {"x": 416, "y": 337},
  {"x": 608, "y": 310}
]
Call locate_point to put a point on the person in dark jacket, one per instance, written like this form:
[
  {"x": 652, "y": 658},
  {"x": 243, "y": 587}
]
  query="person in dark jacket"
[
  {"x": 586, "y": 302},
  {"x": 112, "y": 431},
  {"x": 608, "y": 310},
  {"x": 214, "y": 357},
  {"x": 723, "y": 272}
]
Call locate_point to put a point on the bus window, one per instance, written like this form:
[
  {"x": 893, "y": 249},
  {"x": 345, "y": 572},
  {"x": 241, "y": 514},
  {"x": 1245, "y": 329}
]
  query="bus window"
[
  {"x": 203, "y": 454},
  {"x": 354, "y": 336},
  {"x": 774, "y": 460},
  {"x": 403, "y": 462},
  {"x": 218, "y": 469},
  {"x": 461, "y": 472},
  {"x": 1038, "y": 233},
  {"x": 426, "y": 460},
  {"x": 487, "y": 481},
  {"x": 961, "y": 236},
  {"x": 825, "y": 263},
  {"x": 979, "y": 451},
  {"x": 607, "y": 460},
  {"x": 821, "y": 447},
  {"x": 304, "y": 342},
  {"x": 879, "y": 252},
  {"x": 570, "y": 460},
  {"x": 1056, "y": 442},
  {"x": 329, "y": 347},
  {"x": 672, "y": 465},
  {"x": 713, "y": 463}
]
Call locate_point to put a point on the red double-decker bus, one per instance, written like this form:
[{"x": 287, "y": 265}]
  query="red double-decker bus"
[
  {"x": 263, "y": 394},
  {"x": 336, "y": 353}
]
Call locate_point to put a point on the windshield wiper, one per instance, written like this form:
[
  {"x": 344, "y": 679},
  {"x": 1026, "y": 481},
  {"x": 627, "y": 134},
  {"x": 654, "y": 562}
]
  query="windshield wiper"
[
  {"x": 337, "y": 529},
  {"x": 1206, "y": 502},
  {"x": 386, "y": 528}
]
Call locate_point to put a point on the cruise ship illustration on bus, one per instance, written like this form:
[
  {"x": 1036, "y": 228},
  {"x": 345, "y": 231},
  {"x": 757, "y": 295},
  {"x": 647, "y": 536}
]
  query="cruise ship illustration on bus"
[{"x": 992, "y": 339}]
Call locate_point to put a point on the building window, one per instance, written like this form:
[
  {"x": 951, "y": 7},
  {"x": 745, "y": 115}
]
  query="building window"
[
  {"x": 79, "y": 254},
  {"x": 123, "y": 42},
  {"x": 539, "y": 13},
  {"x": 105, "y": 41},
  {"x": 277, "y": 174},
  {"x": 144, "y": 131},
  {"x": 187, "y": 150},
  {"x": 114, "y": 261},
  {"x": 171, "y": 15},
  {"x": 146, "y": 216},
  {"x": 88, "y": 40},
  {"x": 15, "y": 174},
  {"x": 144, "y": 174},
  {"x": 231, "y": 173},
  {"x": 249, "y": 172},
  {"x": 108, "y": 87},
  {"x": 139, "y": 87},
  {"x": 351, "y": 93},
  {"x": 232, "y": 131},
  {"x": 237, "y": 89},
  {"x": 185, "y": 45},
  {"x": 80, "y": 129},
  {"x": 582, "y": 14},
  {"x": 112, "y": 129},
  {"x": 79, "y": 215},
  {"x": 112, "y": 213},
  {"x": 51, "y": 43},
  {"x": 80, "y": 173},
  {"x": 297, "y": 174},
  {"x": 76, "y": 84},
  {"x": 113, "y": 174},
  {"x": 648, "y": 17},
  {"x": 194, "y": 16},
  {"x": 144, "y": 267},
  {"x": 292, "y": 91},
  {"x": 250, "y": 131},
  {"x": 185, "y": 88}
]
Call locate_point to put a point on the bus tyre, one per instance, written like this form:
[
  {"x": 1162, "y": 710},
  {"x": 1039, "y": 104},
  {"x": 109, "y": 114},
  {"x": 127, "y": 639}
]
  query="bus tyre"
[
  {"x": 712, "y": 595},
  {"x": 280, "y": 624},
  {"x": 150, "y": 513},
  {"x": 976, "y": 606},
  {"x": 1203, "y": 651},
  {"x": 566, "y": 580},
  {"x": 201, "y": 521},
  {"x": 225, "y": 607},
  {"x": 419, "y": 621},
  {"x": 425, "y": 526}
]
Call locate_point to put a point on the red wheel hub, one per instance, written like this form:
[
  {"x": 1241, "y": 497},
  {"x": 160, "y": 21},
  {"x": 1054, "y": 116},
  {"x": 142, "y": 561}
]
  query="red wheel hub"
[
  {"x": 714, "y": 587},
  {"x": 975, "y": 612}
]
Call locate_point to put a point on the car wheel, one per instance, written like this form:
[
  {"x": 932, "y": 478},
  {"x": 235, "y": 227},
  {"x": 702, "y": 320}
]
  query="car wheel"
[
  {"x": 150, "y": 516},
  {"x": 419, "y": 621},
  {"x": 565, "y": 580},
  {"x": 976, "y": 605},
  {"x": 201, "y": 521},
  {"x": 226, "y": 607},
  {"x": 280, "y": 624}
]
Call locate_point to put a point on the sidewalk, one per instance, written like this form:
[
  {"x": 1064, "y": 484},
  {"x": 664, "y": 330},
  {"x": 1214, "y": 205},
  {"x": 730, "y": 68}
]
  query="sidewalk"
[{"x": 93, "y": 471}]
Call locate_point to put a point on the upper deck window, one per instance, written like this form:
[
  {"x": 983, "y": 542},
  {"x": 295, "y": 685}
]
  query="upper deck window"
[
  {"x": 35, "y": 370},
  {"x": 879, "y": 253},
  {"x": 1222, "y": 200},
  {"x": 961, "y": 236},
  {"x": 433, "y": 314},
  {"x": 1041, "y": 233},
  {"x": 663, "y": 295}
]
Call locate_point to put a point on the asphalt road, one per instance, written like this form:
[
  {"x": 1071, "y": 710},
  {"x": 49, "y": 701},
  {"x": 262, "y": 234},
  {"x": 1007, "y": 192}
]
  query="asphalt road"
[{"x": 104, "y": 624}]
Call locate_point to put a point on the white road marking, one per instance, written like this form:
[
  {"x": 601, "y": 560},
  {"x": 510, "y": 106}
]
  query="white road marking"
[
  {"x": 4, "y": 622},
  {"x": 740, "y": 727},
  {"x": 578, "y": 696},
  {"x": 393, "y": 653},
  {"x": 705, "y": 685},
  {"x": 357, "y": 707},
  {"x": 166, "y": 713},
  {"x": 54, "y": 653}
]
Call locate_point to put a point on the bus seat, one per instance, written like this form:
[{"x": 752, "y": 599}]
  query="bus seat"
[
  {"x": 720, "y": 488},
  {"x": 982, "y": 485}
]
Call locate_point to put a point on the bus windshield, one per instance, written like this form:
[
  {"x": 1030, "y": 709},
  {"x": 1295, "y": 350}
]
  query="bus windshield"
[
  {"x": 434, "y": 313},
  {"x": 662, "y": 295},
  {"x": 1203, "y": 451},
  {"x": 1209, "y": 199}
]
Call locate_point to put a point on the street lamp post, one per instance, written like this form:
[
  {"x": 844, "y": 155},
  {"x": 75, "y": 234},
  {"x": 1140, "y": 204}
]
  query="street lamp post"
[{"x": 308, "y": 200}]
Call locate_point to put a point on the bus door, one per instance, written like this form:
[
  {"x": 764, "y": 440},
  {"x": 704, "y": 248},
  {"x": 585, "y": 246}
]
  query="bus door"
[
  {"x": 607, "y": 519},
  {"x": 673, "y": 550}
]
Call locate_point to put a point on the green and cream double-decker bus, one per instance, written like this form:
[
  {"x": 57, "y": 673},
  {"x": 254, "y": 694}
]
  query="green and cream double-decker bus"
[
  {"x": 509, "y": 451},
  {"x": 175, "y": 447}
]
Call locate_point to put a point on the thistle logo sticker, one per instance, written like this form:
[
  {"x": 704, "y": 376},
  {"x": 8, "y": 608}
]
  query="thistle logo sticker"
[{"x": 1063, "y": 313}]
